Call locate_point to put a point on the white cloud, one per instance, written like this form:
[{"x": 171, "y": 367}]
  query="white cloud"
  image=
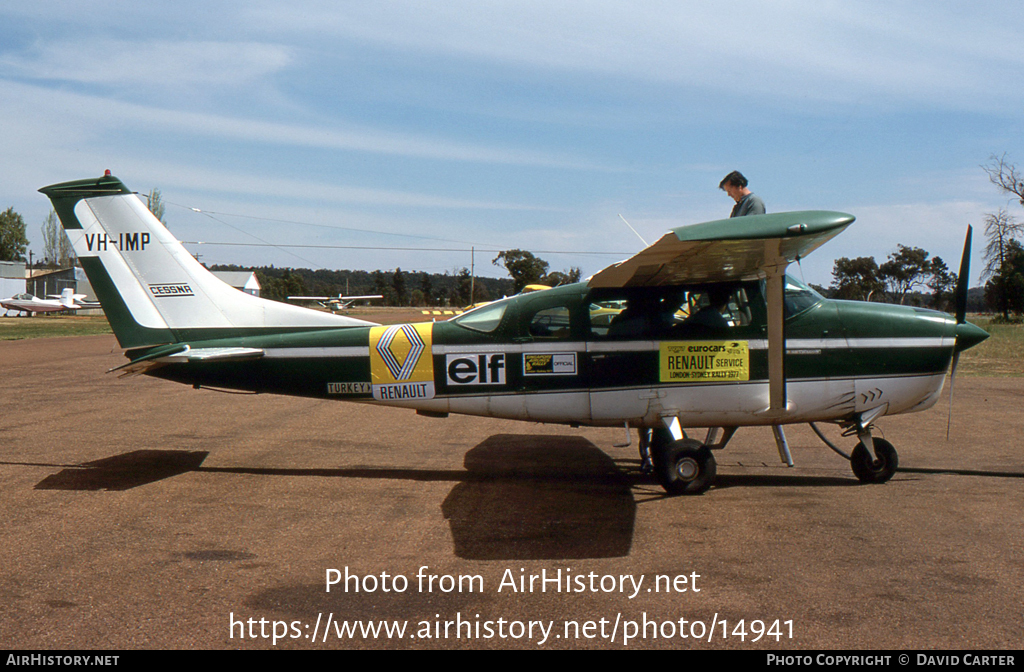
[
  {"x": 812, "y": 51},
  {"x": 210, "y": 181},
  {"x": 937, "y": 227},
  {"x": 154, "y": 63},
  {"x": 93, "y": 116}
]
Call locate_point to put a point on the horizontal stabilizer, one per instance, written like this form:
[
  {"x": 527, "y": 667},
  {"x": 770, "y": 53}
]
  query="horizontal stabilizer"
[{"x": 161, "y": 356}]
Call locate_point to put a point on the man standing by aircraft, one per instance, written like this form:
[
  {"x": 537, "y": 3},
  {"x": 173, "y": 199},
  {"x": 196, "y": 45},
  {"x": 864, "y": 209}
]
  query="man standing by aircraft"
[
  {"x": 735, "y": 184},
  {"x": 747, "y": 203}
]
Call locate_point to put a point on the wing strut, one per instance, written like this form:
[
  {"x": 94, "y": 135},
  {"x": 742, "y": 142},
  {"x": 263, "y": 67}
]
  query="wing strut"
[{"x": 775, "y": 287}]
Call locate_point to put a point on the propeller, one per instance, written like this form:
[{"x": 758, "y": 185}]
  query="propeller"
[
  {"x": 960, "y": 295},
  {"x": 967, "y": 335}
]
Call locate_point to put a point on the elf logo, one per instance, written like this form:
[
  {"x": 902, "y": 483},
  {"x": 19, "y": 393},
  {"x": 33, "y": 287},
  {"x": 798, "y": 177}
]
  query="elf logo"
[{"x": 484, "y": 368}]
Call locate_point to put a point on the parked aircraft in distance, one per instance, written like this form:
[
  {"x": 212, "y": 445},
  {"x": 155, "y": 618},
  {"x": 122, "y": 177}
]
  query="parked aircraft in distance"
[
  {"x": 336, "y": 303},
  {"x": 702, "y": 329},
  {"x": 27, "y": 303}
]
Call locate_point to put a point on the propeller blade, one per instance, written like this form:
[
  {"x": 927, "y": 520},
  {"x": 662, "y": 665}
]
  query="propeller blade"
[
  {"x": 952, "y": 377},
  {"x": 960, "y": 300},
  {"x": 962, "y": 280}
]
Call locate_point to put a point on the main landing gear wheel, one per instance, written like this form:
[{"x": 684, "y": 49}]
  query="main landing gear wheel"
[
  {"x": 684, "y": 467},
  {"x": 874, "y": 469}
]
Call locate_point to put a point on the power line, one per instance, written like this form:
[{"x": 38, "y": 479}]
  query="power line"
[
  {"x": 264, "y": 243},
  {"x": 399, "y": 249},
  {"x": 327, "y": 226}
]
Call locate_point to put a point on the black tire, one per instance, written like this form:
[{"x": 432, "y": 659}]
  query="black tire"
[
  {"x": 684, "y": 467},
  {"x": 878, "y": 468},
  {"x": 659, "y": 438}
]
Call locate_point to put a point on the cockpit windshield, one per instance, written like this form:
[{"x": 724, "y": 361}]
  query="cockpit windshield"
[
  {"x": 799, "y": 297},
  {"x": 485, "y": 318}
]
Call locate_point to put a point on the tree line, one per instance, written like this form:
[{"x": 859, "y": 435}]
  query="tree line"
[
  {"x": 909, "y": 270},
  {"x": 411, "y": 288},
  {"x": 398, "y": 287},
  {"x": 903, "y": 276}
]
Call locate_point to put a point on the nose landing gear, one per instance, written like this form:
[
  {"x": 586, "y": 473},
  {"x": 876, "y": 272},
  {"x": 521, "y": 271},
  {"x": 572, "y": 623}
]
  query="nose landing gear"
[{"x": 877, "y": 468}]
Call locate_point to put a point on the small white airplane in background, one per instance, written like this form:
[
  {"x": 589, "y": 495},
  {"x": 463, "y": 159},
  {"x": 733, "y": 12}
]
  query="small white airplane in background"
[
  {"x": 336, "y": 303},
  {"x": 66, "y": 300}
]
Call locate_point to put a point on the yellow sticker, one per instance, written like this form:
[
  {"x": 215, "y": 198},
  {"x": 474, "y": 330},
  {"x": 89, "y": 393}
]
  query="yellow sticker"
[
  {"x": 688, "y": 361},
  {"x": 401, "y": 361}
]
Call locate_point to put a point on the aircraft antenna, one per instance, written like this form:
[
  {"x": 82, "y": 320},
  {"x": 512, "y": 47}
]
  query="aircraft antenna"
[{"x": 646, "y": 244}]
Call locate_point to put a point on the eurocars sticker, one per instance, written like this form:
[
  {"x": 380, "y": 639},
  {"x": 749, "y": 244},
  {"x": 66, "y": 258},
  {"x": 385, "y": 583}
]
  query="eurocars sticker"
[{"x": 706, "y": 361}]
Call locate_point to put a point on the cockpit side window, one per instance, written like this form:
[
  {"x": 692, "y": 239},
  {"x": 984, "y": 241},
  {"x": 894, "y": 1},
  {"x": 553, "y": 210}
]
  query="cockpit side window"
[
  {"x": 720, "y": 306},
  {"x": 671, "y": 312}
]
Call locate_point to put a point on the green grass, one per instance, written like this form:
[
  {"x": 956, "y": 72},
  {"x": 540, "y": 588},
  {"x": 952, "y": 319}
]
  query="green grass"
[
  {"x": 1001, "y": 354},
  {"x": 48, "y": 326}
]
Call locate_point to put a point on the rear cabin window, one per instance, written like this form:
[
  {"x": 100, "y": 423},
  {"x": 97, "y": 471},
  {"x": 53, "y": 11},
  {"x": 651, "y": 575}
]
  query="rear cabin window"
[{"x": 550, "y": 323}]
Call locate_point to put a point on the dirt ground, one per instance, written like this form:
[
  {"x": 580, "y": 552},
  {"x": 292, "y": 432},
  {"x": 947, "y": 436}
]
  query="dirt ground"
[{"x": 136, "y": 513}]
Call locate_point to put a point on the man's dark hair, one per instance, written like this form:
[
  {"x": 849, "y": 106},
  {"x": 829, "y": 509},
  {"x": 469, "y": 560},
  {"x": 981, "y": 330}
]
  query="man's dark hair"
[{"x": 735, "y": 178}]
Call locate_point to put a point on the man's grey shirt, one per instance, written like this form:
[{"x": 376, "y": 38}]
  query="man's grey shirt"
[{"x": 748, "y": 205}]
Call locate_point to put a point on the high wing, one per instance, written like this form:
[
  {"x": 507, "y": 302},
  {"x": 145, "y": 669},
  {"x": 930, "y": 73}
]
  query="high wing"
[{"x": 741, "y": 248}]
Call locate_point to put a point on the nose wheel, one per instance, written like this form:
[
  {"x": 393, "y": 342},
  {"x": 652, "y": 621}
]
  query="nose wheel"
[{"x": 877, "y": 468}]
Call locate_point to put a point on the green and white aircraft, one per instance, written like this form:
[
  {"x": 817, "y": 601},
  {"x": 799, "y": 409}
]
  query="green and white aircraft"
[{"x": 702, "y": 329}]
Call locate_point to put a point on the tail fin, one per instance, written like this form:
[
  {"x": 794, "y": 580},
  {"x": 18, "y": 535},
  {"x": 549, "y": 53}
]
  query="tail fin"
[
  {"x": 151, "y": 289},
  {"x": 67, "y": 297}
]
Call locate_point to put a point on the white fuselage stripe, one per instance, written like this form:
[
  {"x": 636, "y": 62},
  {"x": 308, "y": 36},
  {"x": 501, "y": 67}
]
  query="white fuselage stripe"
[
  {"x": 621, "y": 346},
  {"x": 307, "y": 353}
]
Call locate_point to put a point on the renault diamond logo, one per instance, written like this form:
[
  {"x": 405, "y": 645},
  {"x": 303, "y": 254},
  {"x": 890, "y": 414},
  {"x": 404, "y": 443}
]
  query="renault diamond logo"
[{"x": 400, "y": 347}]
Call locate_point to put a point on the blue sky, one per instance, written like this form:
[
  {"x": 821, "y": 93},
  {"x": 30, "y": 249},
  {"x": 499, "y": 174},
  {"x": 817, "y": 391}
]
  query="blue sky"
[{"x": 499, "y": 125}]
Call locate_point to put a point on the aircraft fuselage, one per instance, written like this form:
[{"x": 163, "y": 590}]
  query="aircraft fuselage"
[{"x": 552, "y": 357}]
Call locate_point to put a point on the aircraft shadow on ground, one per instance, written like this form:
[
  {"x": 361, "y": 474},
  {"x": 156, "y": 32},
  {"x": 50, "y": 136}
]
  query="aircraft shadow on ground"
[
  {"x": 519, "y": 497},
  {"x": 540, "y": 497},
  {"x": 125, "y": 471}
]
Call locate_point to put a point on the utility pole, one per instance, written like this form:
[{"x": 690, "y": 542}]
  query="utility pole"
[{"x": 472, "y": 275}]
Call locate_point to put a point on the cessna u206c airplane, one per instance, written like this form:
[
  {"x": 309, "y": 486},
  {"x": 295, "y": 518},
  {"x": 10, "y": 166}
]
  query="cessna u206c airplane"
[{"x": 702, "y": 329}]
